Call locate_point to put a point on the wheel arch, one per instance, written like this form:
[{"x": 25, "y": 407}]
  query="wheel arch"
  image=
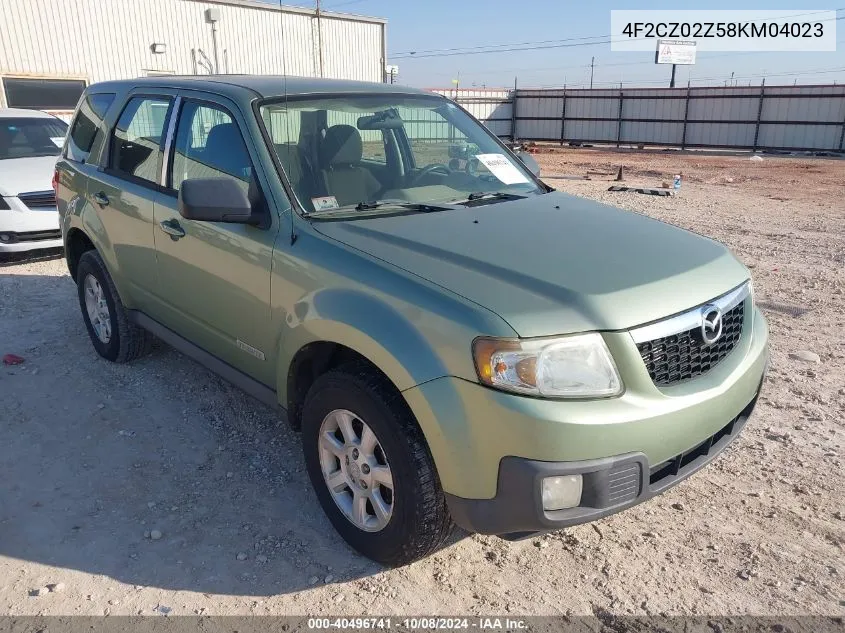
[
  {"x": 336, "y": 327},
  {"x": 77, "y": 243}
]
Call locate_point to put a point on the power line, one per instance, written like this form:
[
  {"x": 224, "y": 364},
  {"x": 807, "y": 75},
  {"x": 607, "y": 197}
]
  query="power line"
[
  {"x": 343, "y": 4},
  {"x": 548, "y": 44},
  {"x": 586, "y": 65}
]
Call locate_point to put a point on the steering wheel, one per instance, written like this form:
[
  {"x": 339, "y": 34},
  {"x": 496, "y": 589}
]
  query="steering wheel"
[{"x": 431, "y": 169}]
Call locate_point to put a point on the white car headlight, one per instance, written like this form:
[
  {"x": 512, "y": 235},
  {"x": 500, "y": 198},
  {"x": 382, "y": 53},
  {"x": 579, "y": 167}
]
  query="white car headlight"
[{"x": 578, "y": 366}]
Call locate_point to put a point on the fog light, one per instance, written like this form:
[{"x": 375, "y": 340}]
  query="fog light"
[
  {"x": 5, "y": 237},
  {"x": 562, "y": 492}
]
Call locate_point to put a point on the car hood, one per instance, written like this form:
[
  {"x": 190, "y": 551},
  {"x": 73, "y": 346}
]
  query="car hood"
[
  {"x": 20, "y": 175},
  {"x": 553, "y": 264}
]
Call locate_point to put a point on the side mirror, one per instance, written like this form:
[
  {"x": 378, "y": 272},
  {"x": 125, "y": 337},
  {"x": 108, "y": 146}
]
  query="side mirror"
[
  {"x": 528, "y": 160},
  {"x": 214, "y": 200}
]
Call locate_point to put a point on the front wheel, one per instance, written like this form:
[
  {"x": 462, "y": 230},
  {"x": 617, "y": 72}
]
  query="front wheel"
[{"x": 371, "y": 468}]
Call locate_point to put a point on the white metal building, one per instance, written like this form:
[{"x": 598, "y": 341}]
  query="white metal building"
[{"x": 50, "y": 49}]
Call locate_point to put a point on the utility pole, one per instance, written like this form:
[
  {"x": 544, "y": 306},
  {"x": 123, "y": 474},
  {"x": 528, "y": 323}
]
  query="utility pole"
[
  {"x": 319, "y": 35},
  {"x": 592, "y": 66}
]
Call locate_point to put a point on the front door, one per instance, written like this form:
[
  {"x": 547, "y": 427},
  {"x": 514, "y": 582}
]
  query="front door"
[{"x": 214, "y": 277}]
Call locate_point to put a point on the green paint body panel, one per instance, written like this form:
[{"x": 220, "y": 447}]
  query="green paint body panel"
[{"x": 412, "y": 292}]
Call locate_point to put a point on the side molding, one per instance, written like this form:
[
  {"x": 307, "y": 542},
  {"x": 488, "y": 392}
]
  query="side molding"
[{"x": 257, "y": 390}]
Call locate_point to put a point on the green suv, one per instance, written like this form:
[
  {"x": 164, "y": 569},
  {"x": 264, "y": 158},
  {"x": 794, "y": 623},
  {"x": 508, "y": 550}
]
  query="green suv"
[{"x": 457, "y": 342}]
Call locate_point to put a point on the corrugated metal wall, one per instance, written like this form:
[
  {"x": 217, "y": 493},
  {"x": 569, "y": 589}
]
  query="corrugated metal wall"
[
  {"x": 99, "y": 40},
  {"x": 771, "y": 117},
  {"x": 493, "y": 107}
]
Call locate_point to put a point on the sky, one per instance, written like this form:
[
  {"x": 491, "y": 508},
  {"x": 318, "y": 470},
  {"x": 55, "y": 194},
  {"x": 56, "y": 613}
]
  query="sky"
[{"x": 435, "y": 25}]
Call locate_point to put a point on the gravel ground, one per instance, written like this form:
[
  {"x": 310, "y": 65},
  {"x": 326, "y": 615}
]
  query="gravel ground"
[{"x": 156, "y": 488}]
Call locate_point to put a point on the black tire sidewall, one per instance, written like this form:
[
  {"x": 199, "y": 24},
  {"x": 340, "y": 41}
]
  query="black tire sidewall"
[
  {"x": 330, "y": 393},
  {"x": 89, "y": 265}
]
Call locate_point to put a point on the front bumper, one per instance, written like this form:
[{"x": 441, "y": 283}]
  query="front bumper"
[
  {"x": 14, "y": 242},
  {"x": 610, "y": 485},
  {"x": 488, "y": 443},
  {"x": 25, "y": 229}
]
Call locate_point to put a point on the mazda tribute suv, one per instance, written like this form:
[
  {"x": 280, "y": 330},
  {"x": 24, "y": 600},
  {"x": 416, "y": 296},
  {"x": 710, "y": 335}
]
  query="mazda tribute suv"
[{"x": 457, "y": 342}]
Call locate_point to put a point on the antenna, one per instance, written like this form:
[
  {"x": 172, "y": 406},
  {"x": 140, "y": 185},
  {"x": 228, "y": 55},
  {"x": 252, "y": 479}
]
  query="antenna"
[{"x": 287, "y": 119}]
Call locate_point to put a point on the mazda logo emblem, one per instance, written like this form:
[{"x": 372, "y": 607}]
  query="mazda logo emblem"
[{"x": 711, "y": 324}]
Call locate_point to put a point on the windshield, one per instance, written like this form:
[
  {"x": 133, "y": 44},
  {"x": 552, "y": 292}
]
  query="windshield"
[
  {"x": 25, "y": 138},
  {"x": 342, "y": 152}
]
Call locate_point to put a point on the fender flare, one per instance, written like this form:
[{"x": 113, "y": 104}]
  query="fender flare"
[{"x": 367, "y": 325}]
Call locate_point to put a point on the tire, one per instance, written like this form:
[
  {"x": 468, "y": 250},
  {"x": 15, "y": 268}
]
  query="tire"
[
  {"x": 419, "y": 522},
  {"x": 125, "y": 341}
]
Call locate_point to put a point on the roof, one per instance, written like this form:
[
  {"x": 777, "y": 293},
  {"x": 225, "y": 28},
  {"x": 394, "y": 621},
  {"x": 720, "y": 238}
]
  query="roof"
[
  {"x": 23, "y": 113},
  {"x": 263, "y": 85},
  {"x": 275, "y": 5}
]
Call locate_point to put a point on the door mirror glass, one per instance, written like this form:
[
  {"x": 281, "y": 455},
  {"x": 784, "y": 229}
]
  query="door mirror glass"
[{"x": 214, "y": 200}]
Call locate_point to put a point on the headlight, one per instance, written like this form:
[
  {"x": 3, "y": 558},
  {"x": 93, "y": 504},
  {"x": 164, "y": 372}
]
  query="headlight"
[{"x": 578, "y": 366}]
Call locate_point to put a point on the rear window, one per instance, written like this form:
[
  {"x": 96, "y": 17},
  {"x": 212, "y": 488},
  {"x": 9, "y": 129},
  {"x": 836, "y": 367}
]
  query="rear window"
[
  {"x": 86, "y": 125},
  {"x": 43, "y": 94},
  {"x": 28, "y": 137}
]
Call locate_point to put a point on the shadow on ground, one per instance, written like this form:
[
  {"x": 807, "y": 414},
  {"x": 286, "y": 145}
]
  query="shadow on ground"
[{"x": 94, "y": 455}]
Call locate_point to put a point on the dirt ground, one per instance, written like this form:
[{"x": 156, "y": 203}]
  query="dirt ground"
[{"x": 95, "y": 456}]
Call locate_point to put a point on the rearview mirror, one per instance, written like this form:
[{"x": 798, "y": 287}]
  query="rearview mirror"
[
  {"x": 528, "y": 160},
  {"x": 384, "y": 120},
  {"x": 214, "y": 200}
]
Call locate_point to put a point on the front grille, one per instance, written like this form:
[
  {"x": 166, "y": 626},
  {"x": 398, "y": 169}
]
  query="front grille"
[
  {"x": 679, "y": 357},
  {"x": 662, "y": 474},
  {"x": 7, "y": 237},
  {"x": 38, "y": 199}
]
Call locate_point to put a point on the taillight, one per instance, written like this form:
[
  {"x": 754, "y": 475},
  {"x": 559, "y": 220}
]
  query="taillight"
[{"x": 55, "y": 182}]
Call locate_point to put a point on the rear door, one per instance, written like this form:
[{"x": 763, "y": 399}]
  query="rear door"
[
  {"x": 125, "y": 189},
  {"x": 214, "y": 277},
  {"x": 80, "y": 157}
]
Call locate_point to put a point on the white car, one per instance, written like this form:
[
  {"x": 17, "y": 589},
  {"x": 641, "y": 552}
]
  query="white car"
[{"x": 30, "y": 141}]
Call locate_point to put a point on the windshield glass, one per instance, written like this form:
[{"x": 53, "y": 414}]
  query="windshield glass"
[
  {"x": 25, "y": 138},
  {"x": 341, "y": 151}
]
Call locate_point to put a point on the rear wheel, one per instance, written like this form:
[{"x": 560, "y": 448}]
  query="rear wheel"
[
  {"x": 113, "y": 335},
  {"x": 371, "y": 468}
]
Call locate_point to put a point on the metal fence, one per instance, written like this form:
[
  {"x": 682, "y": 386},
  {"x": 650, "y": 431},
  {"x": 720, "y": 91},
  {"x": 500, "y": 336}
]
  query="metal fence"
[{"x": 790, "y": 118}]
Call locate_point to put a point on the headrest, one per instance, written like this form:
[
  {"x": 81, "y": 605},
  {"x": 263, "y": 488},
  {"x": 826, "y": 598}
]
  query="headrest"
[
  {"x": 223, "y": 136},
  {"x": 341, "y": 146}
]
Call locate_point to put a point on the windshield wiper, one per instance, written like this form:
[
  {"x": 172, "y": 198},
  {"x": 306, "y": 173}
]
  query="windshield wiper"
[
  {"x": 384, "y": 204},
  {"x": 489, "y": 195}
]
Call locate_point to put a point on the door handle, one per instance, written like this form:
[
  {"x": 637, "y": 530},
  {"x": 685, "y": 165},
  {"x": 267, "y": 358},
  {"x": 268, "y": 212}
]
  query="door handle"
[
  {"x": 172, "y": 228},
  {"x": 101, "y": 199}
]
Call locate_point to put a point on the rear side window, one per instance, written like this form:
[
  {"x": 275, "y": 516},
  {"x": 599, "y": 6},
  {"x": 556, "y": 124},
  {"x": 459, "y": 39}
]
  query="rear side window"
[
  {"x": 136, "y": 145},
  {"x": 86, "y": 125}
]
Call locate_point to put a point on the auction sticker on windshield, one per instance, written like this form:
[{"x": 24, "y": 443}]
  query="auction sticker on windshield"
[
  {"x": 502, "y": 168},
  {"x": 325, "y": 202}
]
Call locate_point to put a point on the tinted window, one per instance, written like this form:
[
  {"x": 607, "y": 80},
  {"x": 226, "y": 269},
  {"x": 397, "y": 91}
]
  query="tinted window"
[
  {"x": 43, "y": 94},
  {"x": 28, "y": 137},
  {"x": 136, "y": 144},
  {"x": 209, "y": 145},
  {"x": 85, "y": 126}
]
